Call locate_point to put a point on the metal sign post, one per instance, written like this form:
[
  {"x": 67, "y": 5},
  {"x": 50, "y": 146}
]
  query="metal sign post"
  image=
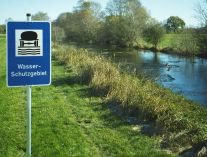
[
  {"x": 28, "y": 60},
  {"x": 29, "y": 121},
  {"x": 29, "y": 113}
]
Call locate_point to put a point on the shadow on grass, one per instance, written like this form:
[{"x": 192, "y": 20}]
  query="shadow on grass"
[
  {"x": 70, "y": 80},
  {"x": 111, "y": 112},
  {"x": 198, "y": 149},
  {"x": 114, "y": 115},
  {"x": 134, "y": 118}
]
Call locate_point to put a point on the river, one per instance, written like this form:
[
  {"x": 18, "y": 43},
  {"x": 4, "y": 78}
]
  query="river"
[{"x": 184, "y": 75}]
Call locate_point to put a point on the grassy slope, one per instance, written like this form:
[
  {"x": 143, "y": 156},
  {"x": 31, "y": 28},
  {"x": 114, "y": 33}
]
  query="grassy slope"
[
  {"x": 66, "y": 122},
  {"x": 175, "y": 117},
  {"x": 167, "y": 40}
]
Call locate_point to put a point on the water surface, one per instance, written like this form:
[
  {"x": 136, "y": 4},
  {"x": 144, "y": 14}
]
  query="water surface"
[{"x": 184, "y": 75}]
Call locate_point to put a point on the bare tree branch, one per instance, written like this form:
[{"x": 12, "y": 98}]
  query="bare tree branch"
[{"x": 201, "y": 11}]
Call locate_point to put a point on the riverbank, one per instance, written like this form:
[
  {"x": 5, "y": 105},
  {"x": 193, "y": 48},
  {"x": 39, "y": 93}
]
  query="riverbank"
[
  {"x": 202, "y": 55},
  {"x": 179, "y": 122},
  {"x": 67, "y": 121},
  {"x": 180, "y": 44},
  {"x": 174, "y": 51}
]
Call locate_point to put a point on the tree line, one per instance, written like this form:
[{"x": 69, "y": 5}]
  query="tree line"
[{"x": 122, "y": 23}]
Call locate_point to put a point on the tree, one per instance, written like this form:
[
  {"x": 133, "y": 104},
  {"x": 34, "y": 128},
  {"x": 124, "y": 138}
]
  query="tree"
[
  {"x": 83, "y": 23},
  {"x": 116, "y": 7},
  {"x": 40, "y": 16},
  {"x": 68, "y": 22},
  {"x": 201, "y": 10},
  {"x": 9, "y": 19},
  {"x": 87, "y": 15},
  {"x": 174, "y": 23},
  {"x": 154, "y": 33},
  {"x": 2, "y": 29},
  {"x": 125, "y": 21},
  {"x": 58, "y": 34}
]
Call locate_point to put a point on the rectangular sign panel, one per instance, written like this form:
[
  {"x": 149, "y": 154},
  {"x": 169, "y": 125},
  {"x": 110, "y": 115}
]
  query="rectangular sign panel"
[{"x": 28, "y": 53}]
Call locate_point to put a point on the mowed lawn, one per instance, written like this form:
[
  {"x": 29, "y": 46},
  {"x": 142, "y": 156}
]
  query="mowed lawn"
[{"x": 66, "y": 121}]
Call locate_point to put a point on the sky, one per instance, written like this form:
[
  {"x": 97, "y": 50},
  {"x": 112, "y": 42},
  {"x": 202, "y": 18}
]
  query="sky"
[
  {"x": 163, "y": 9},
  {"x": 158, "y": 9}
]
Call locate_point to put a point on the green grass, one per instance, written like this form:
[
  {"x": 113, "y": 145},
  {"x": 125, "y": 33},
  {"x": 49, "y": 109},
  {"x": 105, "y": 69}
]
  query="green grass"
[
  {"x": 168, "y": 40},
  {"x": 184, "y": 44},
  {"x": 2, "y": 35},
  {"x": 67, "y": 122}
]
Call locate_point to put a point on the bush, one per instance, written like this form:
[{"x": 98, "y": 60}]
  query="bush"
[
  {"x": 153, "y": 34},
  {"x": 2, "y": 29}
]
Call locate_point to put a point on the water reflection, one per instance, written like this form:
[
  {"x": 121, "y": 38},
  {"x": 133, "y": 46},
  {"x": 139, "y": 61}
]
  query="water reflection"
[{"x": 184, "y": 75}]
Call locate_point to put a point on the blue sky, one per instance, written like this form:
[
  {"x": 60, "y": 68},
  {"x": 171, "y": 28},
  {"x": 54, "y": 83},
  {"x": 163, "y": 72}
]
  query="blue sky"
[
  {"x": 162, "y": 9},
  {"x": 159, "y": 9}
]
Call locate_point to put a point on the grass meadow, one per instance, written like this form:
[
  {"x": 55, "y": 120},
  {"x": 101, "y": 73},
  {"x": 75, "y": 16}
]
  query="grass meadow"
[{"x": 183, "y": 44}]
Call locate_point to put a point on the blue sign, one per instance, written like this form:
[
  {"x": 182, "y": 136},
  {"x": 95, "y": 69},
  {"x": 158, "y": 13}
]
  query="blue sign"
[{"x": 28, "y": 53}]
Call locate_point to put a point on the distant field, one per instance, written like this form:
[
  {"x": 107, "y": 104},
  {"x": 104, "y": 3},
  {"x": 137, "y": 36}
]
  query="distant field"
[
  {"x": 67, "y": 122},
  {"x": 185, "y": 44},
  {"x": 168, "y": 40},
  {"x": 2, "y": 35}
]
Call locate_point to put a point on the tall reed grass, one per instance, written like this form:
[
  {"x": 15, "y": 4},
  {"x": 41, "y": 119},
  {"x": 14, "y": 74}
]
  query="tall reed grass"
[{"x": 181, "y": 121}]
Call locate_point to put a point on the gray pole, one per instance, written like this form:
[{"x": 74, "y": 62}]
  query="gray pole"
[
  {"x": 28, "y": 17},
  {"x": 29, "y": 116},
  {"x": 29, "y": 120}
]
